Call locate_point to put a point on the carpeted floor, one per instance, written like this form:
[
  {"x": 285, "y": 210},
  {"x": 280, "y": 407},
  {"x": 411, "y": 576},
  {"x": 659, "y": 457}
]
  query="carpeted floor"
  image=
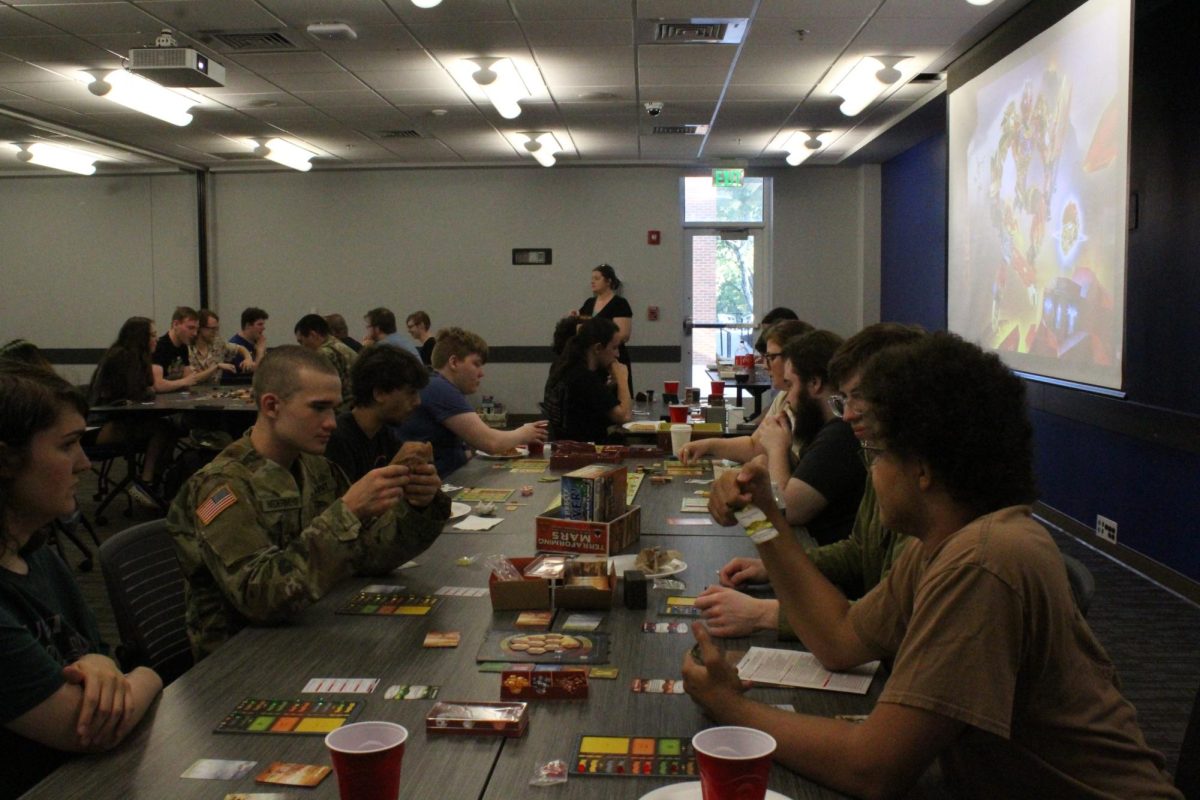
[{"x": 1152, "y": 635}]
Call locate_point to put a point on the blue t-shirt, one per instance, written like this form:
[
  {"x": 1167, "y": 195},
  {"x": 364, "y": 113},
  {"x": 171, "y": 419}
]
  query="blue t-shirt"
[
  {"x": 237, "y": 338},
  {"x": 440, "y": 400},
  {"x": 403, "y": 341}
]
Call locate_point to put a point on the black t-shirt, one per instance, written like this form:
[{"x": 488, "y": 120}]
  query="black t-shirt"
[
  {"x": 171, "y": 357},
  {"x": 832, "y": 464},
  {"x": 578, "y": 403},
  {"x": 616, "y": 308},
  {"x": 426, "y": 351},
  {"x": 357, "y": 455}
]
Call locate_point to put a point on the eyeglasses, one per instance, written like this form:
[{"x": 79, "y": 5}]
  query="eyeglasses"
[
  {"x": 840, "y": 403},
  {"x": 769, "y": 357},
  {"x": 871, "y": 452}
]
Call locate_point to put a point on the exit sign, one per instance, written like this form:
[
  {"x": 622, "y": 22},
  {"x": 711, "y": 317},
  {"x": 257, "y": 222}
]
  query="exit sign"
[{"x": 728, "y": 177}]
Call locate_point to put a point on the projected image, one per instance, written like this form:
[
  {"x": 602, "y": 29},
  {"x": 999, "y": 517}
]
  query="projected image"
[{"x": 1038, "y": 192}]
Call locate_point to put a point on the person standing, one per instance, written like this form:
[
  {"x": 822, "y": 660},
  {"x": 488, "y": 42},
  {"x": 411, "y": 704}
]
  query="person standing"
[{"x": 605, "y": 303}]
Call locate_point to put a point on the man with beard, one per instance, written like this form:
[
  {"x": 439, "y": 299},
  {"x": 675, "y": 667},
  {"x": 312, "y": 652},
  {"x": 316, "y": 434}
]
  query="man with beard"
[{"x": 822, "y": 489}]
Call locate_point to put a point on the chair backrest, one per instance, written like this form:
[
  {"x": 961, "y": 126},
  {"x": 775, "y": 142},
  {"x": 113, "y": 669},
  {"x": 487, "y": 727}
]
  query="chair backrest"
[
  {"x": 1083, "y": 585},
  {"x": 1187, "y": 773},
  {"x": 145, "y": 586}
]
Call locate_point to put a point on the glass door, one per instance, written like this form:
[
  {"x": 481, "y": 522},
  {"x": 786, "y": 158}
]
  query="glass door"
[{"x": 720, "y": 307}]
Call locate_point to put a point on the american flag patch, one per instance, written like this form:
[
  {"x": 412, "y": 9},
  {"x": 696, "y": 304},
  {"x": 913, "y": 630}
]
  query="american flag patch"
[{"x": 211, "y": 508}]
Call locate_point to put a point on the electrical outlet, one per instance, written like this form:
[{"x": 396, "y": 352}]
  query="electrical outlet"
[{"x": 1106, "y": 529}]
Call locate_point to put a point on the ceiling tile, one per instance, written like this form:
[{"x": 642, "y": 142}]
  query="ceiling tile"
[
  {"x": 857, "y": 9},
  {"x": 97, "y": 18},
  {"x": 557, "y": 9},
  {"x": 475, "y": 37},
  {"x": 278, "y": 63},
  {"x": 451, "y": 12},
  {"x": 191, "y": 17},
  {"x": 19, "y": 23},
  {"x": 55, "y": 48},
  {"x": 377, "y": 60},
  {"x": 316, "y": 81},
  {"x": 338, "y": 100},
  {"x": 584, "y": 33},
  {"x": 677, "y": 55},
  {"x": 685, "y": 9},
  {"x": 682, "y": 76},
  {"x": 400, "y": 80},
  {"x": 355, "y": 13}
]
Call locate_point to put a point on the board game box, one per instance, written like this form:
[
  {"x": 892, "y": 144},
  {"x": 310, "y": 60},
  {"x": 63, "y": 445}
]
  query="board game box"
[
  {"x": 554, "y": 534},
  {"x": 478, "y": 718}
]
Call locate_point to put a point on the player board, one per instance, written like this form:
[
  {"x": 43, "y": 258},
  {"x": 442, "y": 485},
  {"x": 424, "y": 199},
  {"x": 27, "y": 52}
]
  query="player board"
[
  {"x": 635, "y": 756},
  {"x": 315, "y": 716},
  {"x": 388, "y": 601}
]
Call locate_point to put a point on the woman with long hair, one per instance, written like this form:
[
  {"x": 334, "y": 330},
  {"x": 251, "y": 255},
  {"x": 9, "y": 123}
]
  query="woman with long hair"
[
  {"x": 61, "y": 692},
  {"x": 588, "y": 387},
  {"x": 605, "y": 303},
  {"x": 124, "y": 376}
]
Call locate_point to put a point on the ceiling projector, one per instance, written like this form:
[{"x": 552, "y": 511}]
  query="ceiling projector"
[{"x": 175, "y": 66}]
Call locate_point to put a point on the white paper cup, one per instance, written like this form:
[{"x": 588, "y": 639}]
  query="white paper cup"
[{"x": 680, "y": 435}]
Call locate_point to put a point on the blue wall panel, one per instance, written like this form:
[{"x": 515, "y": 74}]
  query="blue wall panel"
[{"x": 913, "y": 236}]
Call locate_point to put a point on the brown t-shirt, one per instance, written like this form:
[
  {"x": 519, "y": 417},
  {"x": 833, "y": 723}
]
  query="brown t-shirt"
[{"x": 983, "y": 629}]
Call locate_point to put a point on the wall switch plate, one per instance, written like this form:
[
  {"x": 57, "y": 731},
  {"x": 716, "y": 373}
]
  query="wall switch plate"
[
  {"x": 1106, "y": 529},
  {"x": 652, "y": 313}
]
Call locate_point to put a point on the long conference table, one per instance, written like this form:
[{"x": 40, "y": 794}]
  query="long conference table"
[{"x": 277, "y": 662}]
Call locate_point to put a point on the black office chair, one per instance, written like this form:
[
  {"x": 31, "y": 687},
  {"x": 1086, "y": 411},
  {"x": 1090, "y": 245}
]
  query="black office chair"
[
  {"x": 145, "y": 586},
  {"x": 1083, "y": 585},
  {"x": 67, "y": 527},
  {"x": 1187, "y": 773}
]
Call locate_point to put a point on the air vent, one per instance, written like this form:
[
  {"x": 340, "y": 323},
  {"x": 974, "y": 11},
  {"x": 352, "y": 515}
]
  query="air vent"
[
  {"x": 266, "y": 41},
  {"x": 692, "y": 31},
  {"x": 680, "y": 130},
  {"x": 409, "y": 134}
]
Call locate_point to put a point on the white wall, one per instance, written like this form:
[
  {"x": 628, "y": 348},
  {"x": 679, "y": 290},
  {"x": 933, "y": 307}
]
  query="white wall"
[
  {"x": 80, "y": 255},
  {"x": 441, "y": 240}
]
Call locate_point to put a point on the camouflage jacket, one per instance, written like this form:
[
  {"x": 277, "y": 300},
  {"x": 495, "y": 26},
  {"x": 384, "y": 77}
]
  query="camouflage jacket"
[
  {"x": 257, "y": 543},
  {"x": 342, "y": 357}
]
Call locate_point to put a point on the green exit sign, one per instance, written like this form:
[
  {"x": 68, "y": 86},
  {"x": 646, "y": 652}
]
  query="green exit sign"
[{"x": 728, "y": 177}]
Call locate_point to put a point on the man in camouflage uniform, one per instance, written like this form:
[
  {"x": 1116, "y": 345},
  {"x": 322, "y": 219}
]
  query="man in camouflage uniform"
[
  {"x": 271, "y": 525},
  {"x": 314, "y": 333}
]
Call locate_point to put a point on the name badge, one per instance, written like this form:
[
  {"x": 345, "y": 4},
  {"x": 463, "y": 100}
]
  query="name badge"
[{"x": 280, "y": 503}]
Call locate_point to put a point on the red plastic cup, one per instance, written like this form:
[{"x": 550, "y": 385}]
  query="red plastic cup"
[
  {"x": 536, "y": 447},
  {"x": 671, "y": 387},
  {"x": 734, "y": 762},
  {"x": 718, "y": 387},
  {"x": 366, "y": 757},
  {"x": 678, "y": 412}
]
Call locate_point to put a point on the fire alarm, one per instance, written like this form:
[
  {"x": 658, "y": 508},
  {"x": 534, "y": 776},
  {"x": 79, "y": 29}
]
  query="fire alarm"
[
  {"x": 653, "y": 237},
  {"x": 652, "y": 313}
]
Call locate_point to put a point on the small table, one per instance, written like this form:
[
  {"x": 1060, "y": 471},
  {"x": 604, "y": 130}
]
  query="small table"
[{"x": 756, "y": 386}]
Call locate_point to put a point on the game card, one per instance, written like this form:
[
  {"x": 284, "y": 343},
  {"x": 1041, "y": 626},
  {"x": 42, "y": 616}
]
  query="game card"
[
  {"x": 535, "y": 619},
  {"x": 656, "y": 686},
  {"x": 606, "y": 672},
  {"x": 582, "y": 622},
  {"x": 340, "y": 686},
  {"x": 442, "y": 639},
  {"x": 665, "y": 627},
  {"x": 694, "y": 505},
  {"x": 414, "y": 691},
  {"x": 218, "y": 769},
  {"x": 293, "y": 774},
  {"x": 493, "y": 666},
  {"x": 462, "y": 591}
]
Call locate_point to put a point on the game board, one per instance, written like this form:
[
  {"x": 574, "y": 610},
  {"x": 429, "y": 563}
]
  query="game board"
[{"x": 544, "y": 648}]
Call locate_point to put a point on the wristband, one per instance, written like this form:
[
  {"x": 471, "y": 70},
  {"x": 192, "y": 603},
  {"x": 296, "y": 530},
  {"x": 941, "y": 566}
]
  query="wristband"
[{"x": 755, "y": 523}]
